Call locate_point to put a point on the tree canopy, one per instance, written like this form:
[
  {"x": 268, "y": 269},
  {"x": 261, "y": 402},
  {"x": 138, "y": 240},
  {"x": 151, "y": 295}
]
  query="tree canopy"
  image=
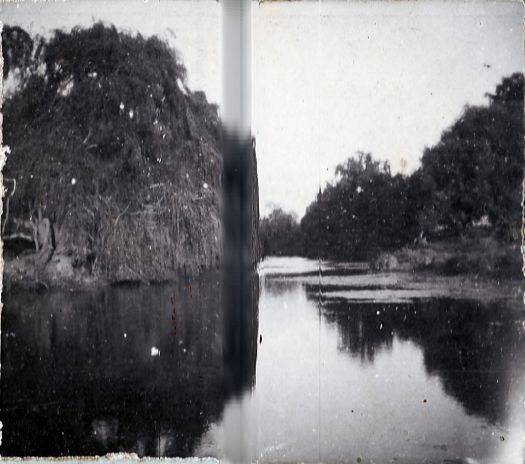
[
  {"x": 471, "y": 178},
  {"x": 476, "y": 169},
  {"x": 279, "y": 233}
]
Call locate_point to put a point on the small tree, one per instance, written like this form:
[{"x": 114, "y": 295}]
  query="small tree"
[{"x": 280, "y": 234}]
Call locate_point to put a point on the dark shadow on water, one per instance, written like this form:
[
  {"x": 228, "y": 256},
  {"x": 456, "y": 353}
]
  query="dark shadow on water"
[
  {"x": 469, "y": 345},
  {"x": 277, "y": 287},
  {"x": 135, "y": 369}
]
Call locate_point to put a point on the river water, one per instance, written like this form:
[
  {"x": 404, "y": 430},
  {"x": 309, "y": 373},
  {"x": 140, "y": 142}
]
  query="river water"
[{"x": 346, "y": 366}]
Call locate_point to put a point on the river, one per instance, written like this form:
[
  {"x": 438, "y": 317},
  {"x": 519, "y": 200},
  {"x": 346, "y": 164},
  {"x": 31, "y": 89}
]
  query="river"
[{"x": 348, "y": 366}]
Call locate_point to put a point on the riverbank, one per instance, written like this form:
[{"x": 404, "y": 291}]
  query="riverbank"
[
  {"x": 477, "y": 257},
  {"x": 30, "y": 272}
]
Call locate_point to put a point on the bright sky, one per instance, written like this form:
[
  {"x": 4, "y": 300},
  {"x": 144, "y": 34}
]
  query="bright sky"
[
  {"x": 332, "y": 78},
  {"x": 192, "y": 27},
  {"x": 329, "y": 78}
]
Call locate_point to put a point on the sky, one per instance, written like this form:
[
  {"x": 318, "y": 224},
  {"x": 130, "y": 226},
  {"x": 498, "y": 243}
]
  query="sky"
[
  {"x": 328, "y": 78},
  {"x": 334, "y": 78},
  {"x": 193, "y": 27}
]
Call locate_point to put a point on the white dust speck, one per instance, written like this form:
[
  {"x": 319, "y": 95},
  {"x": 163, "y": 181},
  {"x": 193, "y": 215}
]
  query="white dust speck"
[
  {"x": 121, "y": 105},
  {"x": 73, "y": 181},
  {"x": 131, "y": 114},
  {"x": 125, "y": 335},
  {"x": 155, "y": 351},
  {"x": 205, "y": 185}
]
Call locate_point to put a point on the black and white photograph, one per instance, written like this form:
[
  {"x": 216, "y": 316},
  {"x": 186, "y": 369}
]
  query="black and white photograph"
[{"x": 263, "y": 231}]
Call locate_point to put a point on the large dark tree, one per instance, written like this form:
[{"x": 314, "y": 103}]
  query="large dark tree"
[
  {"x": 363, "y": 212},
  {"x": 476, "y": 169}
]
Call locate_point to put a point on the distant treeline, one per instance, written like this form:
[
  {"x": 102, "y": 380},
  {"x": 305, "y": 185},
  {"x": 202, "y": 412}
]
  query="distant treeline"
[{"x": 470, "y": 181}]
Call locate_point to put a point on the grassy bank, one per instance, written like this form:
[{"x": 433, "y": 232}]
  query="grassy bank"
[{"x": 115, "y": 166}]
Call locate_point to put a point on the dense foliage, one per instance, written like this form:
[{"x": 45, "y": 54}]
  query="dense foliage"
[
  {"x": 476, "y": 169},
  {"x": 470, "y": 181},
  {"x": 363, "y": 212},
  {"x": 110, "y": 146}
]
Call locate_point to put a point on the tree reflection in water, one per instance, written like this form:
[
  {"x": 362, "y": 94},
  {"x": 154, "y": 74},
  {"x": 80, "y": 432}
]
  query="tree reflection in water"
[
  {"x": 135, "y": 369},
  {"x": 470, "y": 345}
]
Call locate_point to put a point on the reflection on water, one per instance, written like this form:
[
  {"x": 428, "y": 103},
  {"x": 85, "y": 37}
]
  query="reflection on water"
[
  {"x": 122, "y": 369},
  {"x": 430, "y": 380},
  {"x": 470, "y": 345},
  {"x": 420, "y": 380}
]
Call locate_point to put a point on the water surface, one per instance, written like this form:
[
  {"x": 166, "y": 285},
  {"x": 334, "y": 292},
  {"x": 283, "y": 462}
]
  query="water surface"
[
  {"x": 136, "y": 369},
  {"x": 341, "y": 366},
  {"x": 381, "y": 368}
]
